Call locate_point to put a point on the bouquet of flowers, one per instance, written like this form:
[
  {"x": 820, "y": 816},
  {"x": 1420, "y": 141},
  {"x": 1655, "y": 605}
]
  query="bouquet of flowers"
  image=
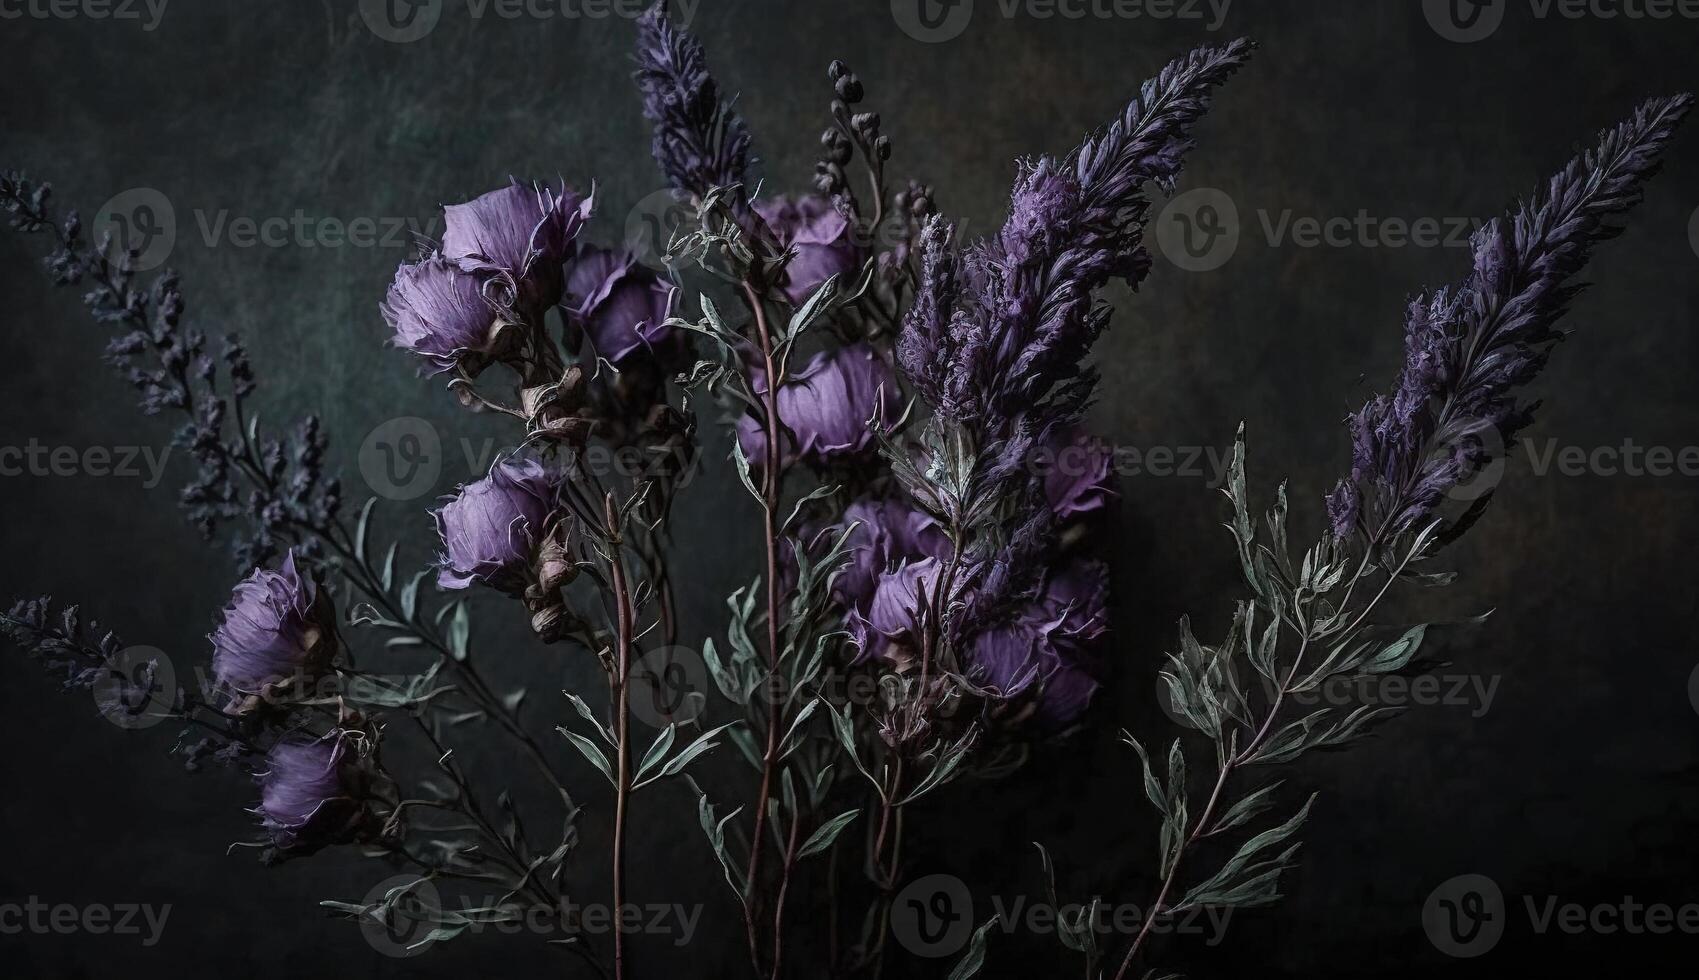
[{"x": 905, "y": 410}]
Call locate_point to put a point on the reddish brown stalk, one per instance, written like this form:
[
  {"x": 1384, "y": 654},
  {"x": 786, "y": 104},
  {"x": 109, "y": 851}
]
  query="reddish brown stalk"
[
  {"x": 779, "y": 900},
  {"x": 771, "y": 482},
  {"x": 622, "y": 723}
]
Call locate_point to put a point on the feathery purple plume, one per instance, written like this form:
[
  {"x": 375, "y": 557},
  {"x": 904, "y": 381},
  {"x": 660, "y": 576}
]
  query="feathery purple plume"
[
  {"x": 1469, "y": 348},
  {"x": 994, "y": 340},
  {"x": 700, "y": 142}
]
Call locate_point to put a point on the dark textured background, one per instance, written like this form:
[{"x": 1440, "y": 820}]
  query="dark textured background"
[{"x": 1581, "y": 782}]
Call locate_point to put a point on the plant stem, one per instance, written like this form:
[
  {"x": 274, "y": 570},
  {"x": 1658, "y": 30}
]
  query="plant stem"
[
  {"x": 622, "y": 725},
  {"x": 1246, "y": 754},
  {"x": 771, "y": 483}
]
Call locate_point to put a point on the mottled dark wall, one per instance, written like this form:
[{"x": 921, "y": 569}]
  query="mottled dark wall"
[{"x": 1580, "y": 782}]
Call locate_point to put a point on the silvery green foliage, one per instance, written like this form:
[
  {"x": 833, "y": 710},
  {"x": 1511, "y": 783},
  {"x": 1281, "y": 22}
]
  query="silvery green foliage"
[{"x": 788, "y": 743}]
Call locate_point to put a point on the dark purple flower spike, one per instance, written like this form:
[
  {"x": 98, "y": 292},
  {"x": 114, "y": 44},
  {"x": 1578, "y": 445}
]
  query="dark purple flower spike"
[{"x": 1469, "y": 349}]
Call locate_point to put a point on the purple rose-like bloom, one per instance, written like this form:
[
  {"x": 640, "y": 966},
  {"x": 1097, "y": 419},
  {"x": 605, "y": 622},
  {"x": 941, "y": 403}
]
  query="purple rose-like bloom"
[
  {"x": 887, "y": 534},
  {"x": 278, "y": 624},
  {"x": 620, "y": 304},
  {"x": 825, "y": 407},
  {"x": 309, "y": 793},
  {"x": 438, "y": 312},
  {"x": 490, "y": 530},
  {"x": 1077, "y": 480},
  {"x": 887, "y": 627},
  {"x": 818, "y": 235},
  {"x": 1050, "y": 647},
  {"x": 515, "y": 240}
]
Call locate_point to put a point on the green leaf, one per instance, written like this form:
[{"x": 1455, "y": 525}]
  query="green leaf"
[
  {"x": 828, "y": 832},
  {"x": 590, "y": 751},
  {"x": 974, "y": 958},
  {"x": 459, "y": 632}
]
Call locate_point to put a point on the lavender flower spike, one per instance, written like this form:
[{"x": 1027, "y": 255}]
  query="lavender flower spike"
[
  {"x": 700, "y": 142},
  {"x": 1010, "y": 344},
  {"x": 1468, "y": 349}
]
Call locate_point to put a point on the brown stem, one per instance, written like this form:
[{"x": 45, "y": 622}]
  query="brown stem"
[
  {"x": 779, "y": 900},
  {"x": 771, "y": 480},
  {"x": 622, "y": 725}
]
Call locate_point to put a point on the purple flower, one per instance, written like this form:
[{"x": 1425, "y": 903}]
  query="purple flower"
[
  {"x": 1468, "y": 350},
  {"x": 825, "y": 408},
  {"x": 620, "y": 304},
  {"x": 1047, "y": 651},
  {"x": 700, "y": 142},
  {"x": 277, "y": 625},
  {"x": 310, "y": 793},
  {"x": 994, "y": 340},
  {"x": 888, "y": 533},
  {"x": 515, "y": 240},
  {"x": 438, "y": 313},
  {"x": 492, "y": 528},
  {"x": 1077, "y": 479},
  {"x": 887, "y": 629},
  {"x": 819, "y": 238}
]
